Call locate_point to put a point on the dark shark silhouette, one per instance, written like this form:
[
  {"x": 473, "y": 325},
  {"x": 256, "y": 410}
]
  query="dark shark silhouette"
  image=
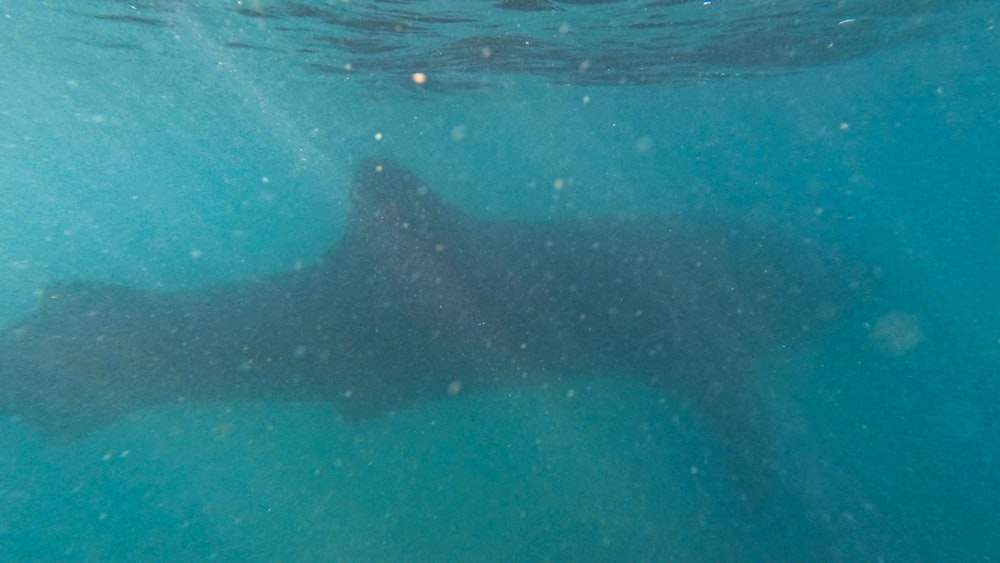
[{"x": 420, "y": 300}]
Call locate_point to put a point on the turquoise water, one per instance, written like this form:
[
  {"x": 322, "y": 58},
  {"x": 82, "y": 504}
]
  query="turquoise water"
[{"x": 166, "y": 145}]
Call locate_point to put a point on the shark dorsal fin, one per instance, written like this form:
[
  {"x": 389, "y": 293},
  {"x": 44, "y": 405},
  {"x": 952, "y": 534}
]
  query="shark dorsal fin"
[{"x": 391, "y": 196}]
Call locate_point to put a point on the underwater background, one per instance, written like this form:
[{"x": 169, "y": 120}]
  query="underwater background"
[{"x": 167, "y": 145}]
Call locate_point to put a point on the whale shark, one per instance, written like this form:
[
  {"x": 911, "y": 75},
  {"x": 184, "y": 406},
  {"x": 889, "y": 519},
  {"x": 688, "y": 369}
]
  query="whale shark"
[{"x": 420, "y": 300}]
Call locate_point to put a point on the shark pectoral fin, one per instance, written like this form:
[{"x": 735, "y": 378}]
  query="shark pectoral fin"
[
  {"x": 363, "y": 393},
  {"x": 732, "y": 409}
]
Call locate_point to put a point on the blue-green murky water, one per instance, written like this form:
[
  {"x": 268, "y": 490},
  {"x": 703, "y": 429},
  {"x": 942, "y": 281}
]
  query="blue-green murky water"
[{"x": 166, "y": 145}]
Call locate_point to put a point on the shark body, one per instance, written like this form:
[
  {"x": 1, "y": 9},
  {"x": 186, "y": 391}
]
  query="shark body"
[{"x": 420, "y": 300}]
